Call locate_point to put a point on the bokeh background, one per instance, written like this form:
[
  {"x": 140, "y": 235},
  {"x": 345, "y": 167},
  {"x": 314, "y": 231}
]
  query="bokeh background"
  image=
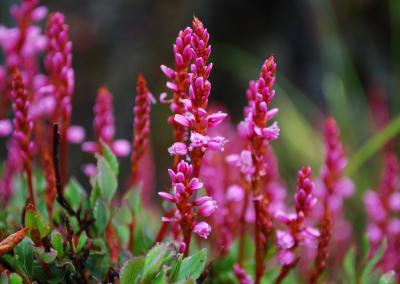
[{"x": 334, "y": 57}]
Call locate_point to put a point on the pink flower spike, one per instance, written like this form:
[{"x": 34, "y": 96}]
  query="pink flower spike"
[
  {"x": 178, "y": 148},
  {"x": 182, "y": 120},
  {"x": 166, "y": 196},
  {"x": 202, "y": 229},
  {"x": 121, "y": 147},
  {"x": 208, "y": 208},
  {"x": 75, "y": 134},
  {"x": 5, "y": 127}
]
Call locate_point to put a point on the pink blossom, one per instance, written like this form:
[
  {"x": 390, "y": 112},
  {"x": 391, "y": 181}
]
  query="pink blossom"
[
  {"x": 178, "y": 148},
  {"x": 90, "y": 170},
  {"x": 121, "y": 147},
  {"x": 215, "y": 118},
  {"x": 202, "y": 229},
  {"x": 208, "y": 208},
  {"x": 235, "y": 193},
  {"x": 75, "y": 134},
  {"x": 5, "y": 127}
]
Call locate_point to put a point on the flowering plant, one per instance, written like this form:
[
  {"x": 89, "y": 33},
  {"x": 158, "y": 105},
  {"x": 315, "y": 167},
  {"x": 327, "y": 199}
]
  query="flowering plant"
[{"x": 226, "y": 217}]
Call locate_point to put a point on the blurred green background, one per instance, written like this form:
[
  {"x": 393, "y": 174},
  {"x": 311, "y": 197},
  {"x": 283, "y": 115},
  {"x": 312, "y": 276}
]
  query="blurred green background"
[{"x": 332, "y": 56}]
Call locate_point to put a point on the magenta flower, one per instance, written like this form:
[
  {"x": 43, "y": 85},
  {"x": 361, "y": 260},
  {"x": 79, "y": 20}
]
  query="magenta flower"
[
  {"x": 58, "y": 63},
  {"x": 22, "y": 46},
  {"x": 202, "y": 229},
  {"x": 382, "y": 206},
  {"x": 5, "y": 127},
  {"x": 185, "y": 185},
  {"x": 103, "y": 123},
  {"x": 141, "y": 127},
  {"x": 298, "y": 232},
  {"x": 178, "y": 82},
  {"x": 23, "y": 128}
]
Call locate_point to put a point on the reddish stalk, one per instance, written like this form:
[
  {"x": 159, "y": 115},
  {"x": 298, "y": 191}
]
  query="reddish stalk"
[
  {"x": 23, "y": 128},
  {"x": 323, "y": 246}
]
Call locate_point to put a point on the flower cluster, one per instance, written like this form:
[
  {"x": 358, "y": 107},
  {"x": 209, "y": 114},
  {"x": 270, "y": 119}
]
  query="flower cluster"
[
  {"x": 298, "y": 230},
  {"x": 58, "y": 63},
  {"x": 104, "y": 126},
  {"x": 23, "y": 127},
  {"x": 332, "y": 190},
  {"x": 196, "y": 118},
  {"x": 141, "y": 125},
  {"x": 381, "y": 207},
  {"x": 184, "y": 188},
  {"x": 179, "y": 81}
]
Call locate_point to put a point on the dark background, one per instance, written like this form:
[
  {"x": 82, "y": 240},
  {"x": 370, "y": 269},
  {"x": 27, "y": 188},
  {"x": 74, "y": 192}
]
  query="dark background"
[{"x": 321, "y": 47}]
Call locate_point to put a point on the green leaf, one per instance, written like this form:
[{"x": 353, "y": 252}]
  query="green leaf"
[
  {"x": 388, "y": 278},
  {"x": 370, "y": 265},
  {"x": 193, "y": 265},
  {"x": 57, "y": 242},
  {"x": 74, "y": 193},
  {"x": 101, "y": 216},
  {"x": 15, "y": 279},
  {"x": 110, "y": 158},
  {"x": 349, "y": 265},
  {"x": 82, "y": 240},
  {"x": 375, "y": 143},
  {"x": 45, "y": 256},
  {"x": 106, "y": 178},
  {"x": 131, "y": 270},
  {"x": 176, "y": 268},
  {"x": 133, "y": 199},
  {"x": 35, "y": 221},
  {"x": 155, "y": 258},
  {"x": 24, "y": 255}
]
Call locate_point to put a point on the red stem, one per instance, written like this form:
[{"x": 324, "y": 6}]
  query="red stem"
[
  {"x": 64, "y": 155},
  {"x": 258, "y": 258},
  {"x": 31, "y": 197}
]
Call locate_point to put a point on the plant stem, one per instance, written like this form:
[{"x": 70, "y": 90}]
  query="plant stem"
[
  {"x": 243, "y": 228},
  {"x": 258, "y": 257}
]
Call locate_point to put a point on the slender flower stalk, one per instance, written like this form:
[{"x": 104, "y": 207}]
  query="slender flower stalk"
[
  {"x": 179, "y": 82},
  {"x": 23, "y": 128},
  {"x": 335, "y": 187},
  {"x": 196, "y": 118},
  {"x": 21, "y": 45},
  {"x": 382, "y": 206},
  {"x": 104, "y": 127},
  {"x": 252, "y": 160},
  {"x": 197, "y": 121},
  {"x": 58, "y": 63},
  {"x": 298, "y": 232},
  {"x": 141, "y": 124},
  {"x": 51, "y": 192},
  {"x": 104, "y": 122},
  {"x": 185, "y": 187},
  {"x": 12, "y": 166}
]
